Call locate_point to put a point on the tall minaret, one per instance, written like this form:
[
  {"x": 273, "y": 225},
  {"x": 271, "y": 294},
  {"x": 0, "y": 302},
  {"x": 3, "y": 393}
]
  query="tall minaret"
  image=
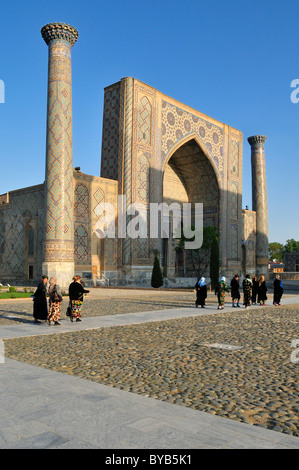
[
  {"x": 58, "y": 258},
  {"x": 259, "y": 201}
]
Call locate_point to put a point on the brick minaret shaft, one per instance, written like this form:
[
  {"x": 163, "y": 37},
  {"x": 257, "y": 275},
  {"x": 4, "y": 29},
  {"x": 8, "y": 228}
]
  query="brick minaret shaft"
[
  {"x": 58, "y": 259},
  {"x": 259, "y": 201}
]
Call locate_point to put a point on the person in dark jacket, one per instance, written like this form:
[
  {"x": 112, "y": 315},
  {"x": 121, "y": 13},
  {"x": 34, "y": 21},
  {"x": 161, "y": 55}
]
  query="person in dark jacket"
[
  {"x": 278, "y": 291},
  {"x": 255, "y": 287},
  {"x": 201, "y": 292},
  {"x": 262, "y": 291},
  {"x": 40, "y": 307},
  {"x": 76, "y": 292},
  {"x": 235, "y": 293}
]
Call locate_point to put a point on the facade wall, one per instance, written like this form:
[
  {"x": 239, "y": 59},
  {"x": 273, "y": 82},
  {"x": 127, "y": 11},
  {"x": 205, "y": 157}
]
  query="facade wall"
[
  {"x": 249, "y": 243},
  {"x": 291, "y": 262},
  {"x": 93, "y": 256},
  {"x": 21, "y": 234},
  {"x": 148, "y": 140},
  {"x": 151, "y": 128}
]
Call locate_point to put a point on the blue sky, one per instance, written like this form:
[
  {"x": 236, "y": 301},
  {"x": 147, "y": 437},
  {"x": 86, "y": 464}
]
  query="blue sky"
[{"x": 232, "y": 60}]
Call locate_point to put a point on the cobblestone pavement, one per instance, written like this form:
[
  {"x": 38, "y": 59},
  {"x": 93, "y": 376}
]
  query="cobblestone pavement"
[
  {"x": 234, "y": 364},
  {"x": 104, "y": 302}
]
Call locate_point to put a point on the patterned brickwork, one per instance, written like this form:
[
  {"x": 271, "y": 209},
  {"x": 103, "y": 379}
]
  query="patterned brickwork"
[
  {"x": 177, "y": 124},
  {"x": 81, "y": 243},
  {"x": 127, "y": 160},
  {"x": 144, "y": 121},
  {"x": 59, "y": 234},
  {"x": 259, "y": 194},
  {"x": 81, "y": 202},
  {"x": 110, "y": 137},
  {"x": 25, "y": 206},
  {"x": 249, "y": 234}
]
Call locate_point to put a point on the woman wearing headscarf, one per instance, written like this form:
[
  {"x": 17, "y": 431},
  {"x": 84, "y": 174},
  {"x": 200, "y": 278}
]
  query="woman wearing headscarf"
[
  {"x": 55, "y": 299},
  {"x": 201, "y": 292},
  {"x": 235, "y": 293},
  {"x": 262, "y": 291},
  {"x": 220, "y": 291},
  {"x": 278, "y": 290},
  {"x": 255, "y": 287},
  {"x": 76, "y": 292},
  {"x": 40, "y": 308},
  {"x": 247, "y": 289}
]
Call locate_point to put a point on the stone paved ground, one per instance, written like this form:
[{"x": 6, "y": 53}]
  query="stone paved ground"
[
  {"x": 254, "y": 381},
  {"x": 105, "y": 302}
]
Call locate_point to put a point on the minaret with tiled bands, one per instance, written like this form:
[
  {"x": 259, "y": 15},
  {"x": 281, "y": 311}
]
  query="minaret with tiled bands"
[
  {"x": 58, "y": 257},
  {"x": 260, "y": 201}
]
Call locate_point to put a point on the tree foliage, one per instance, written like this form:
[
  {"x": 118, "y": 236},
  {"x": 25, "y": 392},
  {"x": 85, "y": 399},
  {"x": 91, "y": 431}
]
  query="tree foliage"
[
  {"x": 214, "y": 262},
  {"x": 200, "y": 257},
  {"x": 277, "y": 250}
]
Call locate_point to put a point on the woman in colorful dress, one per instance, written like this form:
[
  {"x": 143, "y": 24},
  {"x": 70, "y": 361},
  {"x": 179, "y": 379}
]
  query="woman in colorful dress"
[
  {"x": 76, "y": 292},
  {"x": 247, "y": 290},
  {"x": 55, "y": 299},
  {"x": 220, "y": 291}
]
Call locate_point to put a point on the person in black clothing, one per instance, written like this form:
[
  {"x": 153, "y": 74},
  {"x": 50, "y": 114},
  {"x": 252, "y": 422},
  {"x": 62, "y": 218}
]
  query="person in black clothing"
[
  {"x": 40, "y": 307},
  {"x": 255, "y": 287},
  {"x": 262, "y": 291},
  {"x": 76, "y": 292},
  {"x": 201, "y": 292},
  {"x": 235, "y": 293},
  {"x": 278, "y": 290}
]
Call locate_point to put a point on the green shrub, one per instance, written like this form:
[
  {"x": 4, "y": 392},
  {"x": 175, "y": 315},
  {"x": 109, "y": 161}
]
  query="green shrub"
[{"x": 12, "y": 289}]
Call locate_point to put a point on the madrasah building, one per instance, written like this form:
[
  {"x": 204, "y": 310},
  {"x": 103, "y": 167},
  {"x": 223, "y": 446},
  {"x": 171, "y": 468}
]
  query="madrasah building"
[{"x": 154, "y": 149}]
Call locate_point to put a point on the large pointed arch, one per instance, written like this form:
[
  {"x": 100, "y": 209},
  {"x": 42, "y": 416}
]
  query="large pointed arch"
[
  {"x": 190, "y": 175},
  {"x": 193, "y": 137}
]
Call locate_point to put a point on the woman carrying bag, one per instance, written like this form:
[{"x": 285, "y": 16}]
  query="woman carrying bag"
[
  {"x": 76, "y": 292},
  {"x": 55, "y": 299}
]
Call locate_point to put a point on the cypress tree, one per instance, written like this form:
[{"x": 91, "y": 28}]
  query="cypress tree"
[{"x": 214, "y": 263}]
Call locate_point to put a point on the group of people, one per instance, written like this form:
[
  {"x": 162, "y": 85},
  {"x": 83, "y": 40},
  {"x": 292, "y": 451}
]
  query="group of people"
[
  {"x": 254, "y": 291},
  {"x": 52, "y": 313}
]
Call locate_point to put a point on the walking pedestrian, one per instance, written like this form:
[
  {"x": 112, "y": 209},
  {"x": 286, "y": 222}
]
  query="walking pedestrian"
[
  {"x": 76, "y": 292},
  {"x": 255, "y": 287},
  {"x": 247, "y": 290},
  {"x": 262, "y": 291},
  {"x": 278, "y": 290},
  {"x": 55, "y": 299},
  {"x": 220, "y": 290},
  {"x": 201, "y": 292},
  {"x": 235, "y": 293},
  {"x": 40, "y": 308}
]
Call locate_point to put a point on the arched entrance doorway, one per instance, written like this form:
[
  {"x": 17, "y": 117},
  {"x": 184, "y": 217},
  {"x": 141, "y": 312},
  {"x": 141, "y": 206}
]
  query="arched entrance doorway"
[{"x": 189, "y": 177}]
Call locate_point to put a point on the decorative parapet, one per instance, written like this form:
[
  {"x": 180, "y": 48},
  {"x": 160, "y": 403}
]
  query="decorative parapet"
[
  {"x": 4, "y": 198},
  {"x": 257, "y": 139},
  {"x": 53, "y": 31}
]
